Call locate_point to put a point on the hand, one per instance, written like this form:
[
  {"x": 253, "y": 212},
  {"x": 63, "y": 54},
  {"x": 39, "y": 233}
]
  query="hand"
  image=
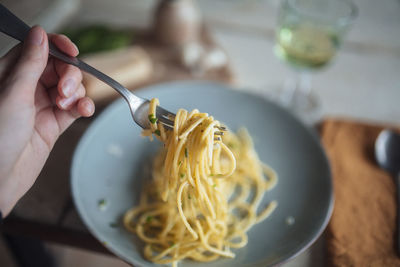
[{"x": 39, "y": 98}]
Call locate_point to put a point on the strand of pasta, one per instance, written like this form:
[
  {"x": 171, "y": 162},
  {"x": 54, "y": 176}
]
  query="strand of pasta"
[{"x": 192, "y": 208}]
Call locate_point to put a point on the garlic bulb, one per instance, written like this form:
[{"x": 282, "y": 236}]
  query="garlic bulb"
[{"x": 177, "y": 22}]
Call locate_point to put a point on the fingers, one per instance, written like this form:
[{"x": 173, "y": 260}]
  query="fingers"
[
  {"x": 70, "y": 79},
  {"x": 31, "y": 63},
  {"x": 56, "y": 69},
  {"x": 49, "y": 77},
  {"x": 69, "y": 76},
  {"x": 66, "y": 103},
  {"x": 64, "y": 44},
  {"x": 84, "y": 106},
  {"x": 69, "y": 109}
]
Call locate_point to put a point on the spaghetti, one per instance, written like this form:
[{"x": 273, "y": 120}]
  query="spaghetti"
[{"x": 205, "y": 193}]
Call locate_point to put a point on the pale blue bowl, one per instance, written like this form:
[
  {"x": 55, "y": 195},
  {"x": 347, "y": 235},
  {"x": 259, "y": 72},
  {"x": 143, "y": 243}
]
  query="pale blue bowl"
[{"x": 304, "y": 190}]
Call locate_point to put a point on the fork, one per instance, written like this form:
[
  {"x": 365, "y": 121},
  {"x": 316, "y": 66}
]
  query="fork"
[{"x": 14, "y": 27}]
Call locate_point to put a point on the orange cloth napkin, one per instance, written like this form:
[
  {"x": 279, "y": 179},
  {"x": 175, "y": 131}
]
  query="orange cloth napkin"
[{"x": 362, "y": 228}]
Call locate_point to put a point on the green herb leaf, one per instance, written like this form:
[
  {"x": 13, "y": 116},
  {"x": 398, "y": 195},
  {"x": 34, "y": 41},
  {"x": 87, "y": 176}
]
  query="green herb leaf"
[
  {"x": 152, "y": 118},
  {"x": 113, "y": 225},
  {"x": 214, "y": 185},
  {"x": 149, "y": 219},
  {"x": 97, "y": 38},
  {"x": 102, "y": 204},
  {"x": 182, "y": 175},
  {"x": 157, "y": 132}
]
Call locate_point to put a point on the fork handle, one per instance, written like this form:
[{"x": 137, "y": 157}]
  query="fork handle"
[
  {"x": 17, "y": 29},
  {"x": 12, "y": 25}
]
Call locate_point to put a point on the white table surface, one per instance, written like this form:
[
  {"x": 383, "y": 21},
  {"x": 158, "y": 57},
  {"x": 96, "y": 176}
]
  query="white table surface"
[{"x": 363, "y": 82}]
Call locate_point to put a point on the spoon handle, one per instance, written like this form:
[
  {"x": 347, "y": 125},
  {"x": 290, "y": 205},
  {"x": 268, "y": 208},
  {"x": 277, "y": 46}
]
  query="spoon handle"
[{"x": 397, "y": 178}]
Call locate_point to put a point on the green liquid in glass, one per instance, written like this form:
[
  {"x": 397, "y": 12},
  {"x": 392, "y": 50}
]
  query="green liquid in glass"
[{"x": 306, "y": 46}]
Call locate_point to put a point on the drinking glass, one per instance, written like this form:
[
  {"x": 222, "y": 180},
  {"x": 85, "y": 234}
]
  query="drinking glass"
[{"x": 308, "y": 35}]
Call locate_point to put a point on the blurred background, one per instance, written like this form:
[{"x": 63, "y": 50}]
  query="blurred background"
[
  {"x": 236, "y": 45},
  {"x": 246, "y": 30}
]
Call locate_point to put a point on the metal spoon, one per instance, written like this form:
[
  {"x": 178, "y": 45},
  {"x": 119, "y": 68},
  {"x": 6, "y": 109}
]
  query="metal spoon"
[{"x": 387, "y": 154}]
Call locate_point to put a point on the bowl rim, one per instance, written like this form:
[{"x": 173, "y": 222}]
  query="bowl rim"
[{"x": 110, "y": 109}]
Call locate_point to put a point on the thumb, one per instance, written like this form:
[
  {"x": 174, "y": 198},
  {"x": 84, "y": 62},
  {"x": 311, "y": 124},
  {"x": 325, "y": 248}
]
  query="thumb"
[{"x": 31, "y": 63}]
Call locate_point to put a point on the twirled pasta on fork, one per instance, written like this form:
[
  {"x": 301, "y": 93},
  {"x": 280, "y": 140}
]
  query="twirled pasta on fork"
[{"x": 207, "y": 186}]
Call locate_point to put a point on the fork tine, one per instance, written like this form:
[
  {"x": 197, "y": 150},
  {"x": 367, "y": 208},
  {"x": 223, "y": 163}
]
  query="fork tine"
[
  {"x": 222, "y": 128},
  {"x": 167, "y": 119},
  {"x": 167, "y": 123},
  {"x": 160, "y": 112},
  {"x": 164, "y": 116}
]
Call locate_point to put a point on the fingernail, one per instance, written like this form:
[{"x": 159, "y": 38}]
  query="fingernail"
[
  {"x": 68, "y": 87},
  {"x": 77, "y": 49},
  {"x": 66, "y": 102},
  {"x": 35, "y": 36},
  {"x": 89, "y": 108}
]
